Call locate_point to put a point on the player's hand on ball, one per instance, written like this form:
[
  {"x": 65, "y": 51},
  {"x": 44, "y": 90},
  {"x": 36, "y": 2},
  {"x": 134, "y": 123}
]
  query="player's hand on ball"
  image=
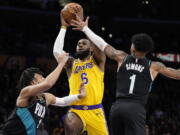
[
  {"x": 82, "y": 91},
  {"x": 79, "y": 24},
  {"x": 70, "y": 11},
  {"x": 63, "y": 22}
]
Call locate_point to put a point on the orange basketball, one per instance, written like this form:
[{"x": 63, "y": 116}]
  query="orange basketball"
[{"x": 69, "y": 11}]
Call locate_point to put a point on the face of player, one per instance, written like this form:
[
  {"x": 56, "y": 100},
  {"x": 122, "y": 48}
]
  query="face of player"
[
  {"x": 83, "y": 49},
  {"x": 38, "y": 78}
]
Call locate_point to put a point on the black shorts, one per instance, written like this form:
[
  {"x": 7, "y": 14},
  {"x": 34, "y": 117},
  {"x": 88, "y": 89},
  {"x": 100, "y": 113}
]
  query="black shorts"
[{"x": 127, "y": 118}]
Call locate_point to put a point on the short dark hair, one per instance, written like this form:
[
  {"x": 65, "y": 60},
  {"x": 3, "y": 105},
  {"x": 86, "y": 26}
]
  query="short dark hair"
[
  {"x": 143, "y": 42},
  {"x": 27, "y": 76}
]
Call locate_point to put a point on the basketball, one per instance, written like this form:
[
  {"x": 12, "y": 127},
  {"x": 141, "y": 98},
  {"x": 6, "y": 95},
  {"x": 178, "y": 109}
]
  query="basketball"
[{"x": 69, "y": 11}]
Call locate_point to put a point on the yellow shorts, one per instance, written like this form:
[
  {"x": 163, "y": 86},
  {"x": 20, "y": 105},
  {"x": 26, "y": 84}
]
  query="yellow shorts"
[{"x": 93, "y": 120}]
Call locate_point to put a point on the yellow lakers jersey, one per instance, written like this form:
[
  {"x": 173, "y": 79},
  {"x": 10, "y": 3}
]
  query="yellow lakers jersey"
[{"x": 89, "y": 73}]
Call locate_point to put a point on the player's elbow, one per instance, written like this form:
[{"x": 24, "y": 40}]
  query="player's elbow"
[
  {"x": 48, "y": 84},
  {"x": 55, "y": 53}
]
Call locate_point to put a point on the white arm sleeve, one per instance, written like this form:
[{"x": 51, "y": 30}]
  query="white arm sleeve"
[
  {"x": 65, "y": 101},
  {"x": 59, "y": 43},
  {"x": 97, "y": 40}
]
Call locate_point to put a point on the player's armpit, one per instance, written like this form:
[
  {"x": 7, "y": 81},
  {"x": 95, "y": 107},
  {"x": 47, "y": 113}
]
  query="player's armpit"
[
  {"x": 68, "y": 65},
  {"x": 166, "y": 71},
  {"x": 114, "y": 54}
]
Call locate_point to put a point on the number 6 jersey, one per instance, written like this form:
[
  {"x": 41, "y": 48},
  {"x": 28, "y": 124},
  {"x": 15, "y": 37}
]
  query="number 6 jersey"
[
  {"x": 89, "y": 73},
  {"x": 134, "y": 79}
]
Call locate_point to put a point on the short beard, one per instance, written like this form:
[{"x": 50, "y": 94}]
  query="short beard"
[{"x": 83, "y": 54}]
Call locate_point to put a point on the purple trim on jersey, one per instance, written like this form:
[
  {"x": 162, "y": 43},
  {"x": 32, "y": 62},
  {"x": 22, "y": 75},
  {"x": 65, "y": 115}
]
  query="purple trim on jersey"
[{"x": 90, "y": 107}]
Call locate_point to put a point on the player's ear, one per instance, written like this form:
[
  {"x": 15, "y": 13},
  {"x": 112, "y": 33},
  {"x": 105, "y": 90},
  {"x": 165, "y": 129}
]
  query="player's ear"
[
  {"x": 133, "y": 50},
  {"x": 34, "y": 81}
]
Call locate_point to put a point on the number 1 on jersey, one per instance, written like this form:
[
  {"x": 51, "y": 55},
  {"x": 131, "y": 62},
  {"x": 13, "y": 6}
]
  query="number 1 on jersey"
[{"x": 132, "y": 78}]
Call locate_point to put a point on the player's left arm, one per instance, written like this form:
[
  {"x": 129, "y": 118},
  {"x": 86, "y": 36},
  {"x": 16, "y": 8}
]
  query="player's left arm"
[
  {"x": 67, "y": 100},
  {"x": 99, "y": 57},
  {"x": 166, "y": 71}
]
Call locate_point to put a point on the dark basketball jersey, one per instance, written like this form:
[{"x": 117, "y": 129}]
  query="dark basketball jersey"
[
  {"x": 134, "y": 79},
  {"x": 25, "y": 120}
]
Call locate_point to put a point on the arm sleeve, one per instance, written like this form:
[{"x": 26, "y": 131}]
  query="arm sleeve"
[
  {"x": 65, "y": 101},
  {"x": 97, "y": 40},
  {"x": 59, "y": 43}
]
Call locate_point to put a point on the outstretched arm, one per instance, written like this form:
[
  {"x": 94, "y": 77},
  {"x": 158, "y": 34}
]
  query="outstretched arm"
[
  {"x": 99, "y": 57},
  {"x": 166, "y": 71},
  {"x": 33, "y": 90},
  {"x": 114, "y": 54},
  {"x": 65, "y": 101},
  {"x": 109, "y": 51},
  {"x": 59, "y": 44}
]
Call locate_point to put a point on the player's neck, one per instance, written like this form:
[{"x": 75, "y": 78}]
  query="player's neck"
[
  {"x": 84, "y": 59},
  {"x": 139, "y": 55}
]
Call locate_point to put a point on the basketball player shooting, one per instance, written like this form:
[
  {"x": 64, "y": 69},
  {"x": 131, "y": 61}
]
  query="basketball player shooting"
[
  {"x": 87, "y": 68},
  {"x": 135, "y": 75}
]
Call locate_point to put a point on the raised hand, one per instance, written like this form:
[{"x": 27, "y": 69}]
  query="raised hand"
[
  {"x": 63, "y": 22},
  {"x": 79, "y": 24}
]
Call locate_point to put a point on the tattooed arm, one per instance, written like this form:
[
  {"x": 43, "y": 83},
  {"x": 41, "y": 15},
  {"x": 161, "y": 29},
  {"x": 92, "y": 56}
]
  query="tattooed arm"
[
  {"x": 114, "y": 54},
  {"x": 111, "y": 52},
  {"x": 99, "y": 57},
  {"x": 158, "y": 67}
]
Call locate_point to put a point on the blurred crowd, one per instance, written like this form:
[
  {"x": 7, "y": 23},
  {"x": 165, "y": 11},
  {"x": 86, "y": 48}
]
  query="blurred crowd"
[
  {"x": 139, "y": 8},
  {"x": 32, "y": 4},
  {"x": 163, "y": 110}
]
